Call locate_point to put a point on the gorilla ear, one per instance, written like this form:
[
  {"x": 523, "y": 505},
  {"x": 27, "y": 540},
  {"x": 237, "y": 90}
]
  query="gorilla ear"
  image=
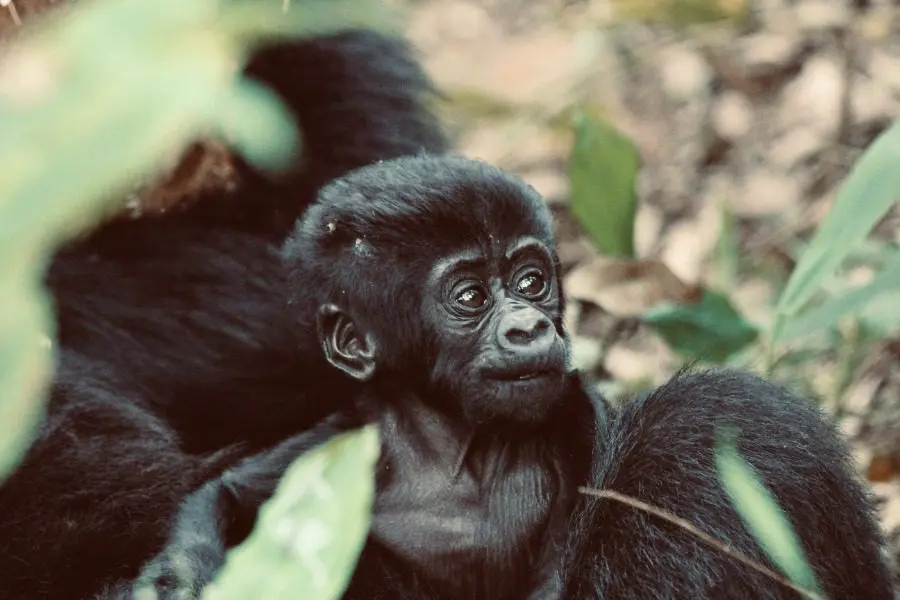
[{"x": 345, "y": 346}]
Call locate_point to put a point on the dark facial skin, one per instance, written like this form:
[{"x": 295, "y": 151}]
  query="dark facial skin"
[{"x": 500, "y": 351}]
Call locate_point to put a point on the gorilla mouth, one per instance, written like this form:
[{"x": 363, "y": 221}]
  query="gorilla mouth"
[
  {"x": 523, "y": 374},
  {"x": 534, "y": 375}
]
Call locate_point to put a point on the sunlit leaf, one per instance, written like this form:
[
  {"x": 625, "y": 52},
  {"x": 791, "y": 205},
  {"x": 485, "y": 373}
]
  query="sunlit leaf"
[
  {"x": 871, "y": 189},
  {"x": 25, "y": 362},
  {"x": 309, "y": 536},
  {"x": 100, "y": 96},
  {"x": 849, "y": 304},
  {"x": 761, "y": 514}
]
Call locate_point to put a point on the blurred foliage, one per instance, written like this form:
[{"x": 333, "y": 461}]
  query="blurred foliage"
[
  {"x": 712, "y": 330},
  {"x": 92, "y": 98},
  {"x": 683, "y": 12},
  {"x": 308, "y": 537},
  {"x": 871, "y": 189},
  {"x": 603, "y": 175}
]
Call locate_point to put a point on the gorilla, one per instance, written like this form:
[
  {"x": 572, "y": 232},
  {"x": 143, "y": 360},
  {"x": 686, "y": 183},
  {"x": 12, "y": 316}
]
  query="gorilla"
[
  {"x": 437, "y": 297},
  {"x": 172, "y": 357},
  {"x": 198, "y": 354}
]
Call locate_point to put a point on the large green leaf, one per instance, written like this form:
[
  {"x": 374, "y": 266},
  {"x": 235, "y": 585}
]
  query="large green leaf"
[
  {"x": 108, "y": 93},
  {"x": 710, "y": 330},
  {"x": 872, "y": 187},
  {"x": 309, "y": 536},
  {"x": 761, "y": 514},
  {"x": 25, "y": 358},
  {"x": 603, "y": 171}
]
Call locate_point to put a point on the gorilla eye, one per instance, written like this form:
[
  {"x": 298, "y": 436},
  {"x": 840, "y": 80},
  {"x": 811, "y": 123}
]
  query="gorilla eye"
[
  {"x": 472, "y": 298},
  {"x": 531, "y": 284}
]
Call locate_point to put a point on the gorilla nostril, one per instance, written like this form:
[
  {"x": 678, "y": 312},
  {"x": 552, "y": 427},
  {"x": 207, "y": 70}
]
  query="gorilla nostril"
[{"x": 521, "y": 335}]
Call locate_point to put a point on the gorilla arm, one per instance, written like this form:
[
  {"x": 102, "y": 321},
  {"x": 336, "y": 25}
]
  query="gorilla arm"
[{"x": 222, "y": 512}]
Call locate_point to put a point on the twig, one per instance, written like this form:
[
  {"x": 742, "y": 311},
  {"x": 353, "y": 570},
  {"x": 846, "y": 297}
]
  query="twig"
[
  {"x": 11, "y": 7},
  {"x": 708, "y": 539}
]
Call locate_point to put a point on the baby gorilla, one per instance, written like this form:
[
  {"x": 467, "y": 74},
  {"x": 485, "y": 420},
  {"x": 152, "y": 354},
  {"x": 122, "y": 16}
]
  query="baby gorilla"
[
  {"x": 433, "y": 286},
  {"x": 432, "y": 283}
]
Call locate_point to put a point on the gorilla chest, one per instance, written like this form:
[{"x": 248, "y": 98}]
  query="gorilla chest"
[{"x": 477, "y": 532}]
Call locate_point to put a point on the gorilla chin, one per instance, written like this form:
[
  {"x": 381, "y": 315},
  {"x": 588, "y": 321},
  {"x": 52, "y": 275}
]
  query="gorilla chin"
[{"x": 524, "y": 397}]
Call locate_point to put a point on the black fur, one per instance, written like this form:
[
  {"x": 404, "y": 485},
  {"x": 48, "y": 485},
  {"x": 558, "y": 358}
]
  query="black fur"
[
  {"x": 173, "y": 358},
  {"x": 177, "y": 362},
  {"x": 478, "y": 471},
  {"x": 659, "y": 449}
]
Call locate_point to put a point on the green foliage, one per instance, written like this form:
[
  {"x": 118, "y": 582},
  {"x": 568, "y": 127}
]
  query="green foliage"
[
  {"x": 603, "y": 169},
  {"x": 868, "y": 193},
  {"x": 90, "y": 102},
  {"x": 309, "y": 536},
  {"x": 761, "y": 514},
  {"x": 710, "y": 330},
  {"x": 826, "y": 315},
  {"x": 24, "y": 353},
  {"x": 684, "y": 13}
]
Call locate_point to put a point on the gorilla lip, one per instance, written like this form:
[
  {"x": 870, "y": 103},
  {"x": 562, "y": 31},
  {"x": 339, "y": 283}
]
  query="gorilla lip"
[{"x": 523, "y": 374}]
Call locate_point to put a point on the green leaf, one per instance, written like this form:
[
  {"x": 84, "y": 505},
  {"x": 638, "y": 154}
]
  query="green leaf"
[
  {"x": 92, "y": 101},
  {"x": 26, "y": 361},
  {"x": 710, "y": 330},
  {"x": 871, "y": 189},
  {"x": 761, "y": 514},
  {"x": 603, "y": 169},
  {"x": 247, "y": 20},
  {"x": 727, "y": 252},
  {"x": 309, "y": 535},
  {"x": 851, "y": 303},
  {"x": 258, "y": 126}
]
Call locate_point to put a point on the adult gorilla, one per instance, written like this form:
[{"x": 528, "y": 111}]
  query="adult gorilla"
[{"x": 172, "y": 359}]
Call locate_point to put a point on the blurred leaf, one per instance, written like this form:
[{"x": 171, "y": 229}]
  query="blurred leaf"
[
  {"x": 761, "y": 514},
  {"x": 710, "y": 330},
  {"x": 309, "y": 536},
  {"x": 25, "y": 360},
  {"x": 254, "y": 123},
  {"x": 880, "y": 318},
  {"x": 603, "y": 170},
  {"x": 97, "y": 96},
  {"x": 175, "y": 67},
  {"x": 682, "y": 12},
  {"x": 872, "y": 187},
  {"x": 848, "y": 304},
  {"x": 727, "y": 253},
  {"x": 246, "y": 20}
]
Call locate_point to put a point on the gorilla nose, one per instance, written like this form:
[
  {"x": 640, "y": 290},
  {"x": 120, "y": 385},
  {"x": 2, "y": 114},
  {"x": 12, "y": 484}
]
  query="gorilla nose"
[{"x": 527, "y": 330}]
